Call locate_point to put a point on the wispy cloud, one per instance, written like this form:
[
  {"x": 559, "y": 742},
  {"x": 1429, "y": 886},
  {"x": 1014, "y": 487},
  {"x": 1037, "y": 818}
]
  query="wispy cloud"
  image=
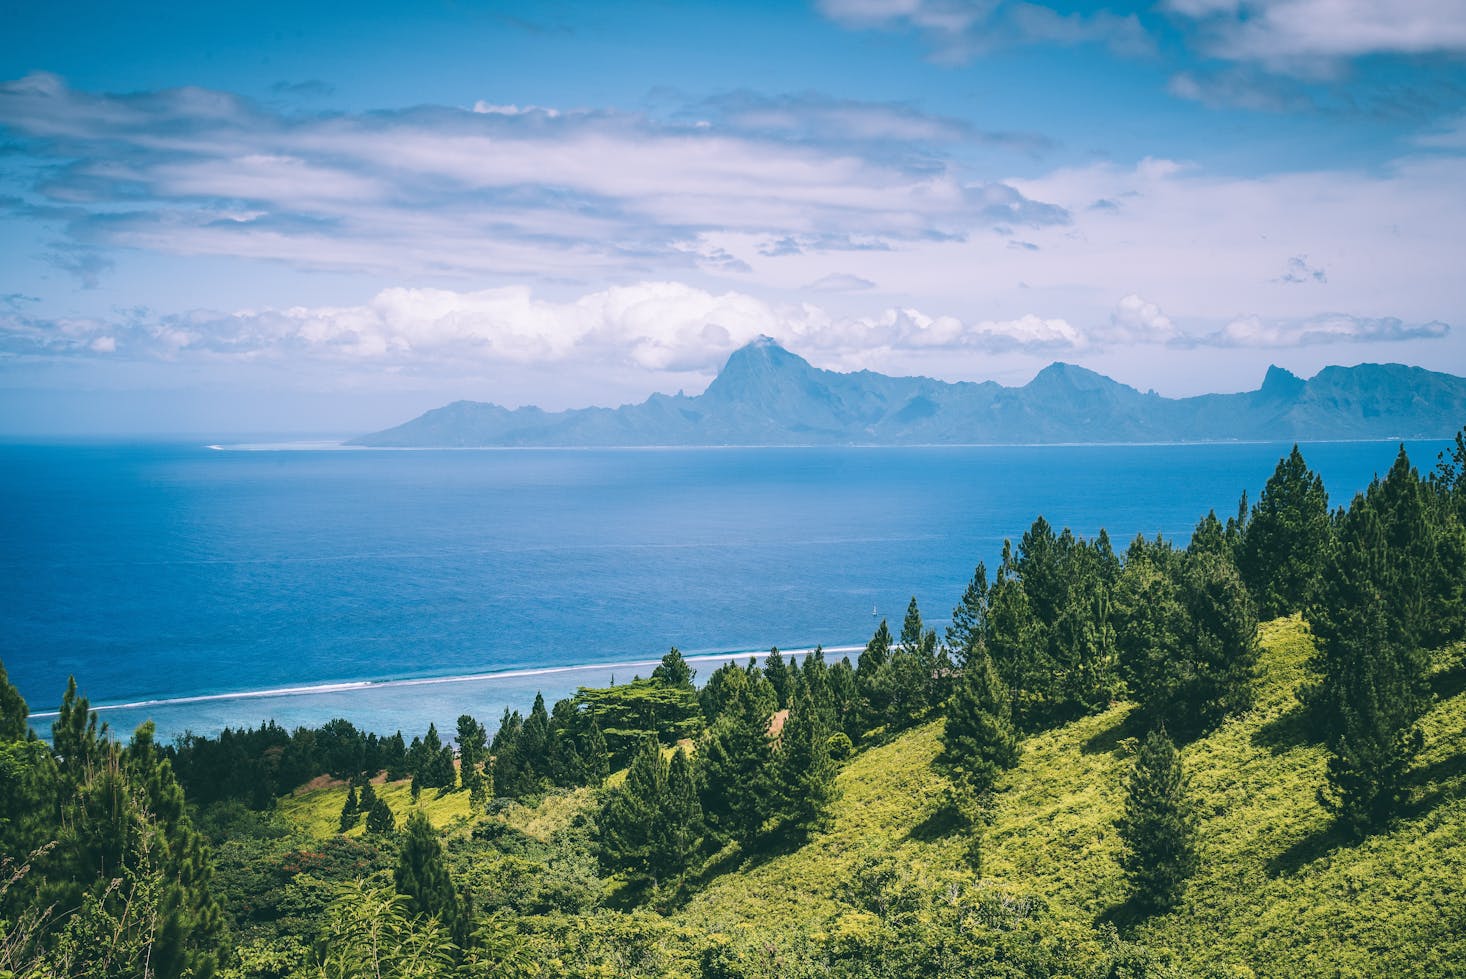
[
  {"x": 503, "y": 190},
  {"x": 1306, "y": 34},
  {"x": 1255, "y": 331},
  {"x": 959, "y": 30}
]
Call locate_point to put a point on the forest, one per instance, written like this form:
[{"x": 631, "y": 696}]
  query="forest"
[{"x": 1241, "y": 754}]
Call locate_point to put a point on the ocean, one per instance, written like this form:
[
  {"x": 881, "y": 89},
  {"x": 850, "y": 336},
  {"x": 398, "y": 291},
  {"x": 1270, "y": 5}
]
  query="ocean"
[{"x": 208, "y": 586}]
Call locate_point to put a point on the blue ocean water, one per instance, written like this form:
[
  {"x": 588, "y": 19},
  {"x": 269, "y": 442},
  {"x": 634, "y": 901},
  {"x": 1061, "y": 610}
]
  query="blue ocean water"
[{"x": 181, "y": 573}]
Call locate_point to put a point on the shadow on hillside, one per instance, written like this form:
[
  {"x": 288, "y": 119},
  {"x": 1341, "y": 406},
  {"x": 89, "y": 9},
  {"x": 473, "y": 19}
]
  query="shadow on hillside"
[
  {"x": 1449, "y": 682},
  {"x": 1109, "y": 741},
  {"x": 1438, "y": 782},
  {"x": 944, "y": 821},
  {"x": 1305, "y": 851},
  {"x": 1285, "y": 732},
  {"x": 1125, "y": 916}
]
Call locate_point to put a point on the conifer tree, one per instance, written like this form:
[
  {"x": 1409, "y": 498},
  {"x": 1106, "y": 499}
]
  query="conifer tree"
[
  {"x": 1371, "y": 687},
  {"x": 1158, "y": 827},
  {"x": 979, "y": 741},
  {"x": 13, "y": 710},
  {"x": 349, "y": 810},
  {"x": 776, "y": 671},
  {"x": 593, "y": 753},
  {"x": 1283, "y": 548},
  {"x": 803, "y": 773},
  {"x": 845, "y": 698},
  {"x": 472, "y": 746},
  {"x": 873, "y": 679},
  {"x": 629, "y": 814},
  {"x": 969, "y": 618},
  {"x": 679, "y": 827},
  {"x": 673, "y": 670},
  {"x": 366, "y": 798},
  {"x": 534, "y": 741},
  {"x": 421, "y": 875},
  {"x": 379, "y": 817},
  {"x": 733, "y": 769}
]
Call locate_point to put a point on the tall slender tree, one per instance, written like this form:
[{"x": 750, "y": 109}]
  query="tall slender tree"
[
  {"x": 422, "y": 876},
  {"x": 1158, "y": 827},
  {"x": 1282, "y": 551},
  {"x": 979, "y": 741}
]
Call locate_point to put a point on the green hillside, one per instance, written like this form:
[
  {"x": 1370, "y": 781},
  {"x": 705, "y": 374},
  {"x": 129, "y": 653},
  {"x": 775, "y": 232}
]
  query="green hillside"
[{"x": 1276, "y": 895}]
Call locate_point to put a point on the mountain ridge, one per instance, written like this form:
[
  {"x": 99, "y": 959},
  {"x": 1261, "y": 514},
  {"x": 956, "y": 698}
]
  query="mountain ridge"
[{"x": 766, "y": 395}]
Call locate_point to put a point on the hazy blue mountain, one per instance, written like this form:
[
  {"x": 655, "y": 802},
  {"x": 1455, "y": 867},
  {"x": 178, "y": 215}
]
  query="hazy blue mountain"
[{"x": 766, "y": 395}]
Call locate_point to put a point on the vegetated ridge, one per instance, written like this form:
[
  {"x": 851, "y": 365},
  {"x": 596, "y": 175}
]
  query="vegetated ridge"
[{"x": 766, "y": 395}]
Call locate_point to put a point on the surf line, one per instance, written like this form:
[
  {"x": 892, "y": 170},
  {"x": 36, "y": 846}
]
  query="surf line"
[{"x": 351, "y": 686}]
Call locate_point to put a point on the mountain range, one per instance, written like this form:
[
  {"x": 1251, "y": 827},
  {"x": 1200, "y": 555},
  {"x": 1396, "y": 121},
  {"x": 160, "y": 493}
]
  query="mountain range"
[{"x": 766, "y": 395}]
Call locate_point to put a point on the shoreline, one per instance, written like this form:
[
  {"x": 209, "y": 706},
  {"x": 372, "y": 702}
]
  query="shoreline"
[{"x": 357, "y": 686}]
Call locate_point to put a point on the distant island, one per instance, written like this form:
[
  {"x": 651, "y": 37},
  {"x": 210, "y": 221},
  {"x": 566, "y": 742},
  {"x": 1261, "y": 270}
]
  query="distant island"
[{"x": 766, "y": 395}]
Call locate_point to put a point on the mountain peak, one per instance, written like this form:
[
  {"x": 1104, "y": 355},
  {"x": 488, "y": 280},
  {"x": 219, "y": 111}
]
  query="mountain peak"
[
  {"x": 1062, "y": 375},
  {"x": 1280, "y": 383}
]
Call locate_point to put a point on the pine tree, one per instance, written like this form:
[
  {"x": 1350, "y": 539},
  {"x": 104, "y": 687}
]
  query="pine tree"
[
  {"x": 1158, "y": 827},
  {"x": 873, "y": 679},
  {"x": 13, "y": 710},
  {"x": 594, "y": 754},
  {"x": 1282, "y": 550},
  {"x": 629, "y": 814},
  {"x": 534, "y": 743},
  {"x": 673, "y": 670},
  {"x": 803, "y": 773},
  {"x": 421, "y": 875},
  {"x": 969, "y": 618},
  {"x": 978, "y": 741},
  {"x": 1371, "y": 689},
  {"x": 472, "y": 750},
  {"x": 733, "y": 768},
  {"x": 776, "y": 671},
  {"x": 349, "y": 810},
  {"x": 679, "y": 826},
  {"x": 379, "y": 817},
  {"x": 367, "y": 798}
]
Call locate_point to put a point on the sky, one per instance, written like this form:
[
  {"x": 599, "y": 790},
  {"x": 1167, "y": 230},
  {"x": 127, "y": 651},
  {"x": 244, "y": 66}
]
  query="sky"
[{"x": 230, "y": 218}]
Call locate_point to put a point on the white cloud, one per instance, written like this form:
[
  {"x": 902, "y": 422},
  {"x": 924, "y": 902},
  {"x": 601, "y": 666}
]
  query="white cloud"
[
  {"x": 1136, "y": 320},
  {"x": 959, "y": 30},
  {"x": 1254, "y": 331},
  {"x": 501, "y": 190},
  {"x": 1281, "y": 31},
  {"x": 654, "y": 326}
]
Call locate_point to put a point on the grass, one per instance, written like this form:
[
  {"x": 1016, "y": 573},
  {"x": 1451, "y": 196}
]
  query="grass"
[
  {"x": 1278, "y": 893},
  {"x": 317, "y": 812}
]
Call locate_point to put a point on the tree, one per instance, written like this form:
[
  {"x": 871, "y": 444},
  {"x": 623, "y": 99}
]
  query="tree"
[
  {"x": 969, "y": 618},
  {"x": 379, "y": 817},
  {"x": 733, "y": 769},
  {"x": 594, "y": 754},
  {"x": 421, "y": 875},
  {"x": 13, "y": 710},
  {"x": 873, "y": 679},
  {"x": 674, "y": 671},
  {"x": 803, "y": 773},
  {"x": 979, "y": 741},
  {"x": 472, "y": 749},
  {"x": 349, "y": 810},
  {"x": 369, "y": 931},
  {"x": 776, "y": 671},
  {"x": 1158, "y": 828},
  {"x": 1284, "y": 543},
  {"x": 652, "y": 824},
  {"x": 1371, "y": 685}
]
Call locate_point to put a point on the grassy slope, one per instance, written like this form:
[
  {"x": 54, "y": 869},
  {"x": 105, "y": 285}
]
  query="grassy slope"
[{"x": 1277, "y": 896}]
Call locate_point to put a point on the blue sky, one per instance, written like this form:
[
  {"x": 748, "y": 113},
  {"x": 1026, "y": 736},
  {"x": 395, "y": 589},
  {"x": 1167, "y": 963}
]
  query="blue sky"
[{"x": 231, "y": 217}]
